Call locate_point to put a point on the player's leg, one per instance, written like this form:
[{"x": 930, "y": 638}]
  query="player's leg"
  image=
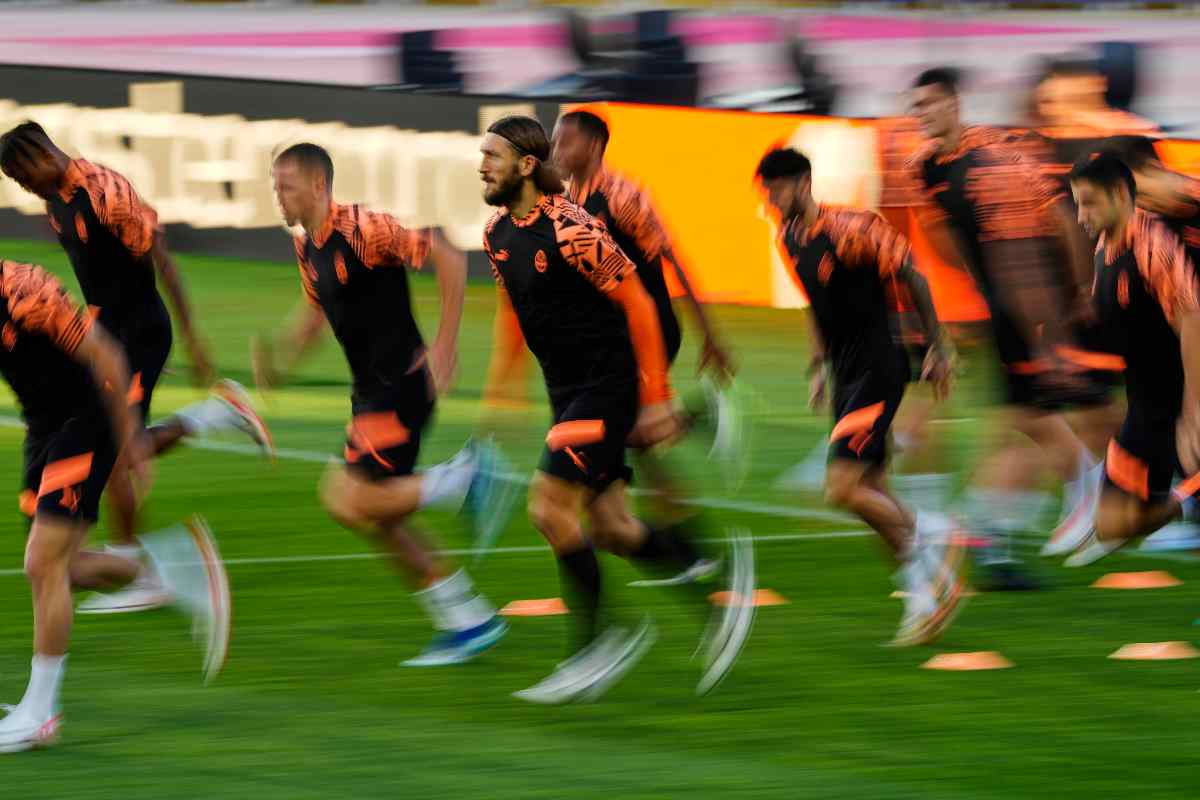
[
  {"x": 377, "y": 490},
  {"x": 1137, "y": 498}
]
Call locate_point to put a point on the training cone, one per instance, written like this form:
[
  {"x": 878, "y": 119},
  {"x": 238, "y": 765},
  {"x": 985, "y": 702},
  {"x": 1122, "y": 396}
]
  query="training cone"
[
  {"x": 762, "y": 597},
  {"x": 1156, "y": 651},
  {"x": 1154, "y": 579},
  {"x": 967, "y": 662},
  {"x": 547, "y": 607}
]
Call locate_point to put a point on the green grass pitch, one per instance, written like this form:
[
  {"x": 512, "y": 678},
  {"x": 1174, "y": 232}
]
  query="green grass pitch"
[{"x": 313, "y": 704}]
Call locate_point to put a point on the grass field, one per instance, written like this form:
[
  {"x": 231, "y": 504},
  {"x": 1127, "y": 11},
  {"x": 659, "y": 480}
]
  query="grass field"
[{"x": 312, "y": 703}]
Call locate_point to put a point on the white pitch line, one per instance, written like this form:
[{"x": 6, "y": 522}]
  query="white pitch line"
[
  {"x": 471, "y": 551},
  {"x": 314, "y": 457}
]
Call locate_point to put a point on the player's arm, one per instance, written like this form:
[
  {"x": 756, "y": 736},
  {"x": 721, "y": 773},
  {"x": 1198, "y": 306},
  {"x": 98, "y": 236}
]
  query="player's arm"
[
  {"x": 939, "y": 361},
  {"x": 168, "y": 274},
  {"x": 135, "y": 224},
  {"x": 450, "y": 265},
  {"x": 714, "y": 354},
  {"x": 274, "y": 360},
  {"x": 596, "y": 255},
  {"x": 38, "y": 304},
  {"x": 1171, "y": 275},
  {"x": 633, "y": 212},
  {"x": 508, "y": 348},
  {"x": 104, "y": 359}
]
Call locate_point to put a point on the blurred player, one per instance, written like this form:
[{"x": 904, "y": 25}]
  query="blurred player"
[
  {"x": 594, "y": 329},
  {"x": 1148, "y": 302},
  {"x": 54, "y": 358},
  {"x": 578, "y": 147},
  {"x": 116, "y": 248},
  {"x": 993, "y": 210},
  {"x": 353, "y": 266},
  {"x": 842, "y": 260}
]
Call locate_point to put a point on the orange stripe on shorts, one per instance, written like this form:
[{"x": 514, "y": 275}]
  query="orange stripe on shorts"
[
  {"x": 64, "y": 473},
  {"x": 136, "y": 393},
  {"x": 1127, "y": 471},
  {"x": 27, "y": 502},
  {"x": 857, "y": 421},
  {"x": 1088, "y": 359},
  {"x": 576, "y": 433},
  {"x": 1187, "y": 488}
]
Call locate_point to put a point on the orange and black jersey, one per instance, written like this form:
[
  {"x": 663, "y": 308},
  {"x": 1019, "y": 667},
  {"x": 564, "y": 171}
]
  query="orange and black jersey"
[
  {"x": 576, "y": 296},
  {"x": 626, "y": 210},
  {"x": 1143, "y": 282},
  {"x": 1183, "y": 218},
  {"x": 846, "y": 263},
  {"x": 987, "y": 190},
  {"x": 108, "y": 233},
  {"x": 39, "y": 330},
  {"x": 354, "y": 270}
]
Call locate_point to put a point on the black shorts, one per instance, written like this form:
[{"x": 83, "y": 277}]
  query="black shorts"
[
  {"x": 383, "y": 439},
  {"x": 1035, "y": 384},
  {"x": 863, "y": 409},
  {"x": 586, "y": 444},
  {"x": 1141, "y": 461},
  {"x": 67, "y": 465},
  {"x": 147, "y": 344},
  {"x": 1091, "y": 355}
]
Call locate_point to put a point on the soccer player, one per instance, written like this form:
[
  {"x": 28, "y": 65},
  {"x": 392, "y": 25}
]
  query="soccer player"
[
  {"x": 353, "y": 266},
  {"x": 843, "y": 261},
  {"x": 1148, "y": 302},
  {"x": 995, "y": 212},
  {"x": 594, "y": 329},
  {"x": 577, "y": 149},
  {"x": 70, "y": 378},
  {"x": 116, "y": 248}
]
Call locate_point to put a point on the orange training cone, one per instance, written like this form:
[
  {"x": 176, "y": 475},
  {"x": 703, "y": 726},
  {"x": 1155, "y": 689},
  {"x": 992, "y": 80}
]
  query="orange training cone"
[
  {"x": 964, "y": 662},
  {"x": 762, "y": 597},
  {"x": 1156, "y": 651},
  {"x": 1154, "y": 579},
  {"x": 547, "y": 607}
]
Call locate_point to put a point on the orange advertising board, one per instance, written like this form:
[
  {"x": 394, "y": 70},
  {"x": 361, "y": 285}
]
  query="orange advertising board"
[{"x": 699, "y": 167}]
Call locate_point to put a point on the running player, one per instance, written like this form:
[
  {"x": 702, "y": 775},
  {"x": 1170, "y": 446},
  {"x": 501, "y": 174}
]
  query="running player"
[
  {"x": 1148, "y": 302},
  {"x": 991, "y": 206},
  {"x": 843, "y": 260},
  {"x": 54, "y": 357},
  {"x": 578, "y": 147},
  {"x": 595, "y": 331},
  {"x": 353, "y": 266},
  {"x": 116, "y": 248}
]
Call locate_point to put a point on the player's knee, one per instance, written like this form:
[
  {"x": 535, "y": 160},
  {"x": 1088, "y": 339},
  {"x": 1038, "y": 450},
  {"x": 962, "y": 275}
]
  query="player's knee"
[
  {"x": 342, "y": 499},
  {"x": 544, "y": 514},
  {"x": 44, "y": 563},
  {"x": 839, "y": 487}
]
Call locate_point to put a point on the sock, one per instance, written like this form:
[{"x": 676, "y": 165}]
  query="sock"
[
  {"x": 1001, "y": 514},
  {"x": 133, "y": 552},
  {"x": 929, "y": 491},
  {"x": 446, "y": 484},
  {"x": 206, "y": 416},
  {"x": 667, "y": 545},
  {"x": 453, "y": 603},
  {"x": 580, "y": 574},
  {"x": 45, "y": 681}
]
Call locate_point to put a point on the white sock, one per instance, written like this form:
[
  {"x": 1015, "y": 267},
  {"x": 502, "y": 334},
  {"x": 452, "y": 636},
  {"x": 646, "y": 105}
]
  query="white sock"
[
  {"x": 446, "y": 484},
  {"x": 453, "y": 603},
  {"x": 1078, "y": 489},
  {"x": 45, "y": 681},
  {"x": 929, "y": 491},
  {"x": 206, "y": 416}
]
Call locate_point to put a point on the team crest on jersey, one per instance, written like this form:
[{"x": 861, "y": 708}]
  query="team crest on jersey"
[
  {"x": 55, "y": 226},
  {"x": 540, "y": 262},
  {"x": 825, "y": 269},
  {"x": 9, "y": 336},
  {"x": 1123, "y": 289},
  {"x": 339, "y": 267},
  {"x": 81, "y": 228}
]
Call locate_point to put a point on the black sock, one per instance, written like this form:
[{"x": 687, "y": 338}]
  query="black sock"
[
  {"x": 670, "y": 545},
  {"x": 580, "y": 574}
]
